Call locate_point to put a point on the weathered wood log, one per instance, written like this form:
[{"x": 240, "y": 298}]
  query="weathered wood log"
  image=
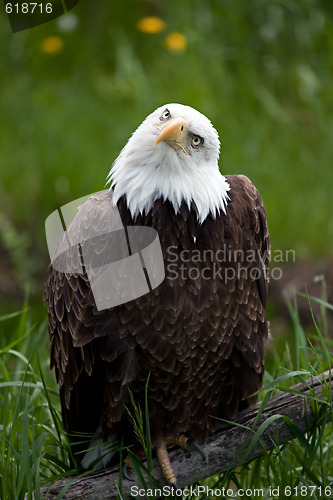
[{"x": 232, "y": 444}]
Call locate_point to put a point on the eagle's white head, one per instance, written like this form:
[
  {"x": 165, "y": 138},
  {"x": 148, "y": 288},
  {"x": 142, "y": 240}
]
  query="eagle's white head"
[{"x": 174, "y": 155}]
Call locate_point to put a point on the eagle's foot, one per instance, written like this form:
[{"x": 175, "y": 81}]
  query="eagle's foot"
[
  {"x": 126, "y": 465},
  {"x": 163, "y": 459},
  {"x": 165, "y": 464},
  {"x": 194, "y": 446},
  {"x": 187, "y": 444}
]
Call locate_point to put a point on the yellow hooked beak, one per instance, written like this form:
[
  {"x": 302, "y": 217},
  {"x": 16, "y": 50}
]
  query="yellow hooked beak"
[{"x": 172, "y": 133}]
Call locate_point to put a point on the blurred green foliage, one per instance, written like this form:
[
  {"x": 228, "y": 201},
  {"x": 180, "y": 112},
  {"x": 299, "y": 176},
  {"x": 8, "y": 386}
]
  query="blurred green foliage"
[{"x": 261, "y": 70}]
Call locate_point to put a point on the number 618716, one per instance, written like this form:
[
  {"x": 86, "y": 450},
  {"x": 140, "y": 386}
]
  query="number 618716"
[{"x": 28, "y": 8}]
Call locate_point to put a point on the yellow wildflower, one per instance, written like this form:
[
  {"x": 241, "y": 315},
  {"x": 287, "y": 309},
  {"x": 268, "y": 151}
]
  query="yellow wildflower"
[
  {"x": 52, "y": 45},
  {"x": 176, "y": 41},
  {"x": 151, "y": 25}
]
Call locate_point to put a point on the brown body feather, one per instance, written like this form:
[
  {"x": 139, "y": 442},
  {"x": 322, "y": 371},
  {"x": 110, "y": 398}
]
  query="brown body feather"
[{"x": 200, "y": 334}]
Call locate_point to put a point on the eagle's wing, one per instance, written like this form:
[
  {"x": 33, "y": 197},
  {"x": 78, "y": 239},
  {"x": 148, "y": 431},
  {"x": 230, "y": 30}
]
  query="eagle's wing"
[
  {"x": 250, "y": 211},
  {"x": 74, "y": 322},
  {"x": 246, "y": 234}
]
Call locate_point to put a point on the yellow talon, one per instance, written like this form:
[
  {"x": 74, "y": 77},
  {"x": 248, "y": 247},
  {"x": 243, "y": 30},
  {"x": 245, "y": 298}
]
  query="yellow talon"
[{"x": 165, "y": 464}]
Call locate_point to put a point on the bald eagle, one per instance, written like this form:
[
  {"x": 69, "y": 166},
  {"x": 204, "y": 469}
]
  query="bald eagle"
[{"x": 200, "y": 334}]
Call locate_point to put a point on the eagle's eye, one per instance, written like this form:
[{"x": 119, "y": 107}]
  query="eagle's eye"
[
  {"x": 165, "y": 115},
  {"x": 196, "y": 141}
]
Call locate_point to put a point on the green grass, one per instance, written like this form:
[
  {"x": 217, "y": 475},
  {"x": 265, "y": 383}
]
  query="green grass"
[
  {"x": 33, "y": 445},
  {"x": 34, "y": 449}
]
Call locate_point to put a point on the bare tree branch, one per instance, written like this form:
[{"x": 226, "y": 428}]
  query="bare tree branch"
[{"x": 232, "y": 444}]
